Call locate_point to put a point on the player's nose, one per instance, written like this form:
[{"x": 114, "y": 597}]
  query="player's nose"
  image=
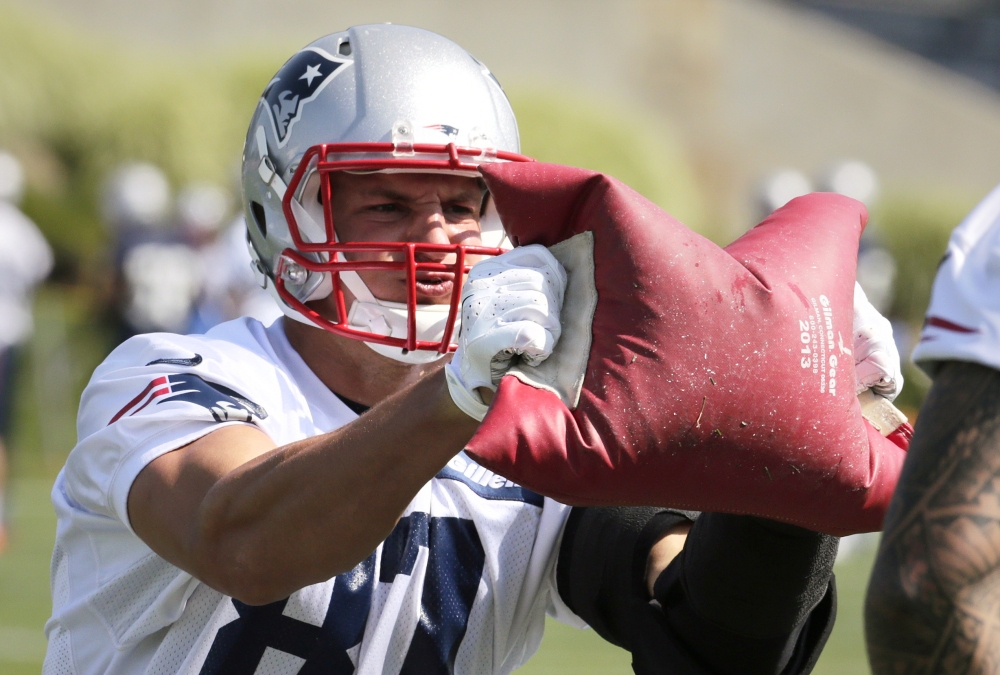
[{"x": 429, "y": 226}]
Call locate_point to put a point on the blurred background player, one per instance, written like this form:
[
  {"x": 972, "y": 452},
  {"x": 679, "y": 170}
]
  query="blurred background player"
[
  {"x": 777, "y": 189},
  {"x": 933, "y": 601},
  {"x": 180, "y": 269},
  {"x": 157, "y": 273},
  {"x": 230, "y": 289},
  {"x": 876, "y": 265},
  {"x": 25, "y": 261},
  {"x": 202, "y": 210}
]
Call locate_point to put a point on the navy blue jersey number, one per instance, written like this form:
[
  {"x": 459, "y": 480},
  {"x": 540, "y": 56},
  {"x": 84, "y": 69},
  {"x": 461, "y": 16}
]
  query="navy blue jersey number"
[{"x": 454, "y": 569}]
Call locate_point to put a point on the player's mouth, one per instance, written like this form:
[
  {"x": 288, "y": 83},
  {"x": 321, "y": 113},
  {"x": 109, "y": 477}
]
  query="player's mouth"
[{"x": 435, "y": 285}]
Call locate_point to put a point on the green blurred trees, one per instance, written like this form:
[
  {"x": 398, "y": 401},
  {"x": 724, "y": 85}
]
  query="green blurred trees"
[
  {"x": 73, "y": 107},
  {"x": 566, "y": 128}
]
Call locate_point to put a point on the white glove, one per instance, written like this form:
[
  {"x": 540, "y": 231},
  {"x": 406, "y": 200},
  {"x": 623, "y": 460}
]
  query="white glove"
[
  {"x": 876, "y": 359},
  {"x": 510, "y": 308}
]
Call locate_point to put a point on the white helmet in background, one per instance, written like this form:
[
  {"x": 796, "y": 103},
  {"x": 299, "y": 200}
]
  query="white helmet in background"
[
  {"x": 11, "y": 178},
  {"x": 203, "y": 208},
  {"x": 779, "y": 188},
  {"x": 372, "y": 98},
  {"x": 877, "y": 268},
  {"x": 136, "y": 195},
  {"x": 854, "y": 179}
]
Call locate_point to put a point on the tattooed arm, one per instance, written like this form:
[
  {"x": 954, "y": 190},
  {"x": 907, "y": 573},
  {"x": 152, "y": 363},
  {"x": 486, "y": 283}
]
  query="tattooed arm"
[{"x": 933, "y": 601}]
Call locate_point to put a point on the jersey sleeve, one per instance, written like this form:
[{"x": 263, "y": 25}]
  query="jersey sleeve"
[
  {"x": 963, "y": 320},
  {"x": 154, "y": 394}
]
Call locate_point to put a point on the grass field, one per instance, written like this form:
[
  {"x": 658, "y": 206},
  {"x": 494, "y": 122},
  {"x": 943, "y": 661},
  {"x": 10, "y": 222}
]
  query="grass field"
[{"x": 24, "y": 606}]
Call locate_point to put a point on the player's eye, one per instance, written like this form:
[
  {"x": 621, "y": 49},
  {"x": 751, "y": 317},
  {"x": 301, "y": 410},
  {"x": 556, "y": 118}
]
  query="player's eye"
[{"x": 463, "y": 210}]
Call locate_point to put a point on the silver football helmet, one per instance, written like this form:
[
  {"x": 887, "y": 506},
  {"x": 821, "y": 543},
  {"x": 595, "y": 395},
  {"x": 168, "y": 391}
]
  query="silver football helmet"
[{"x": 372, "y": 98}]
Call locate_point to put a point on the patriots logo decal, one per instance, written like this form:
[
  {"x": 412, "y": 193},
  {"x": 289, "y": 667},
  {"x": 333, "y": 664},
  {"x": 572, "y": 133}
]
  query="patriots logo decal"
[
  {"x": 445, "y": 129},
  {"x": 224, "y": 404},
  {"x": 298, "y": 82}
]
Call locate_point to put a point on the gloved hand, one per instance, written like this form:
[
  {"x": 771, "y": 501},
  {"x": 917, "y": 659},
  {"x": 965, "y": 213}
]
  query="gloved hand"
[
  {"x": 876, "y": 359},
  {"x": 510, "y": 309}
]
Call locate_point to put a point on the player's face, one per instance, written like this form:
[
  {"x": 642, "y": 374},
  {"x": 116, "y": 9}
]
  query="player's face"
[{"x": 420, "y": 208}]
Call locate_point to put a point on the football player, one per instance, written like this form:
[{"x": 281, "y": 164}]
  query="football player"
[
  {"x": 932, "y": 602},
  {"x": 25, "y": 261},
  {"x": 294, "y": 498}
]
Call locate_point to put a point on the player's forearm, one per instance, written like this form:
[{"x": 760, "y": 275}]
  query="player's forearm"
[
  {"x": 313, "y": 509},
  {"x": 931, "y": 600}
]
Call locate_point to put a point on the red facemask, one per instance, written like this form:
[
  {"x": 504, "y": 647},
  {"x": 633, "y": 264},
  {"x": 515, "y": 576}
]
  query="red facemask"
[{"x": 321, "y": 242}]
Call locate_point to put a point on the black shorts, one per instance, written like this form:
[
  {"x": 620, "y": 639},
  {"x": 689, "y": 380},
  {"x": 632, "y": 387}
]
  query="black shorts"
[{"x": 8, "y": 367}]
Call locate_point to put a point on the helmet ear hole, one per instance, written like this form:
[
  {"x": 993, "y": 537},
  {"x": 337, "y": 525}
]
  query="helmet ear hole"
[
  {"x": 345, "y": 48},
  {"x": 257, "y": 210}
]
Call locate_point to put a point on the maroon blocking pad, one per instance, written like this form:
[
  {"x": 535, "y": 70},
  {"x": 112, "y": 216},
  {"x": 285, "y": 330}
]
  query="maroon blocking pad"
[{"x": 714, "y": 379}]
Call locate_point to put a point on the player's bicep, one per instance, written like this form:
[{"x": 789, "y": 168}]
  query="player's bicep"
[
  {"x": 924, "y": 591},
  {"x": 165, "y": 498}
]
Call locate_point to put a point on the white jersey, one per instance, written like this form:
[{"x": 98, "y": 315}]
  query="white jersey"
[
  {"x": 25, "y": 260},
  {"x": 462, "y": 585},
  {"x": 963, "y": 320}
]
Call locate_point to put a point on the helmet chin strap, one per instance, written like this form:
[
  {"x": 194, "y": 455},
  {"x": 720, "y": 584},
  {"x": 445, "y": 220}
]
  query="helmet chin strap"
[{"x": 382, "y": 317}]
